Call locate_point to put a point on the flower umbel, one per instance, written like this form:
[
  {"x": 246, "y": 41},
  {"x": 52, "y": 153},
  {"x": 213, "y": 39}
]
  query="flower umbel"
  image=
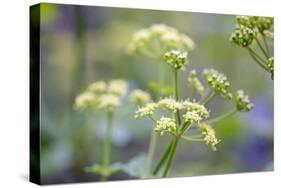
[
  {"x": 243, "y": 103},
  {"x": 176, "y": 59},
  {"x": 218, "y": 82},
  {"x": 118, "y": 87},
  {"x": 140, "y": 97},
  {"x": 209, "y": 135},
  {"x": 85, "y": 101},
  {"x": 165, "y": 124},
  {"x": 195, "y": 82},
  {"x": 170, "y": 104},
  {"x": 146, "y": 110},
  {"x": 97, "y": 87},
  {"x": 270, "y": 65},
  {"x": 243, "y": 36},
  {"x": 157, "y": 39}
]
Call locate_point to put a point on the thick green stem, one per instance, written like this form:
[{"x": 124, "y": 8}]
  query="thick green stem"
[
  {"x": 206, "y": 102},
  {"x": 170, "y": 157},
  {"x": 221, "y": 117},
  {"x": 257, "y": 59},
  {"x": 262, "y": 48},
  {"x": 107, "y": 141},
  {"x": 162, "y": 160}
]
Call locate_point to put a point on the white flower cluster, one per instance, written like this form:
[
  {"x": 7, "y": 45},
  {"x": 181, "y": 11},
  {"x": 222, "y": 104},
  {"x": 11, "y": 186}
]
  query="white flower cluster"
[
  {"x": 195, "y": 82},
  {"x": 243, "y": 103},
  {"x": 192, "y": 113},
  {"x": 139, "y": 97},
  {"x": 101, "y": 95},
  {"x": 170, "y": 104},
  {"x": 218, "y": 82},
  {"x": 209, "y": 136},
  {"x": 158, "y": 39},
  {"x": 176, "y": 59},
  {"x": 165, "y": 124},
  {"x": 146, "y": 110}
]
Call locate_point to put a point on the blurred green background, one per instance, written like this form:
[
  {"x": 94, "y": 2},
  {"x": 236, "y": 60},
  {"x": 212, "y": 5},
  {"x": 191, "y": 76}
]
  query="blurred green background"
[{"x": 83, "y": 44}]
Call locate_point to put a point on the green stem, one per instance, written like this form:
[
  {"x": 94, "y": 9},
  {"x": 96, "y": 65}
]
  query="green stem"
[
  {"x": 262, "y": 49},
  {"x": 176, "y": 93},
  {"x": 266, "y": 45},
  {"x": 151, "y": 152},
  {"x": 192, "y": 139},
  {"x": 257, "y": 59},
  {"x": 107, "y": 141},
  {"x": 221, "y": 117},
  {"x": 170, "y": 157},
  {"x": 206, "y": 102},
  {"x": 162, "y": 160}
]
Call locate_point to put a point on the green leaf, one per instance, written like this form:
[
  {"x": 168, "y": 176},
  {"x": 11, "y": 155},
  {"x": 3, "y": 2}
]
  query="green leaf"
[
  {"x": 160, "y": 89},
  {"x": 136, "y": 166},
  {"x": 104, "y": 170}
]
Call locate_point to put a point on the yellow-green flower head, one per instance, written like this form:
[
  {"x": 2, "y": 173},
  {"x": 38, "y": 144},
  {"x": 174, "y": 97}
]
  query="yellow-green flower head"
[
  {"x": 118, "y": 87},
  {"x": 140, "y": 97},
  {"x": 270, "y": 65},
  {"x": 170, "y": 104},
  {"x": 264, "y": 23},
  {"x": 97, "y": 87},
  {"x": 192, "y": 117},
  {"x": 157, "y": 39},
  {"x": 243, "y": 36},
  {"x": 85, "y": 101},
  {"x": 146, "y": 110},
  {"x": 209, "y": 135},
  {"x": 243, "y": 103},
  {"x": 109, "y": 101},
  {"x": 165, "y": 124},
  {"x": 195, "y": 107},
  {"x": 218, "y": 82},
  {"x": 176, "y": 59},
  {"x": 195, "y": 82},
  {"x": 246, "y": 21}
]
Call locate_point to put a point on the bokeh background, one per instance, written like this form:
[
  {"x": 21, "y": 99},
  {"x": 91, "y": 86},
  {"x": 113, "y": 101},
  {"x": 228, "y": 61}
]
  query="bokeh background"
[{"x": 83, "y": 44}]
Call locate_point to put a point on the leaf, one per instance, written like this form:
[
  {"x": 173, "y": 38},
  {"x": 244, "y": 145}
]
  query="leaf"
[
  {"x": 136, "y": 166},
  {"x": 160, "y": 89},
  {"x": 104, "y": 170}
]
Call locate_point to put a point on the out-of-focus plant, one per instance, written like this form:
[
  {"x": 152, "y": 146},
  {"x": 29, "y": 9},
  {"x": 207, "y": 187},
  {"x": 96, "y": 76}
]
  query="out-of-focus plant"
[
  {"x": 173, "y": 116},
  {"x": 249, "y": 33},
  {"x": 106, "y": 97}
]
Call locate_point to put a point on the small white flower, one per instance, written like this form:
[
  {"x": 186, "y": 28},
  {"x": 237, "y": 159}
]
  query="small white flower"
[
  {"x": 165, "y": 124},
  {"x": 170, "y": 104},
  {"x": 209, "y": 135},
  {"x": 146, "y": 110},
  {"x": 192, "y": 117},
  {"x": 195, "y": 107}
]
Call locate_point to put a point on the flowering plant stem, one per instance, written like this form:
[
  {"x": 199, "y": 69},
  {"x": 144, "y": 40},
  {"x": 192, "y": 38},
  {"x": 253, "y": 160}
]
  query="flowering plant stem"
[
  {"x": 257, "y": 59},
  {"x": 262, "y": 49},
  {"x": 175, "y": 140},
  {"x": 107, "y": 142},
  {"x": 223, "y": 116}
]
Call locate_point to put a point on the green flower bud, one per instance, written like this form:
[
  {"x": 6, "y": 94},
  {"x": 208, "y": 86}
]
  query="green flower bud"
[
  {"x": 218, "y": 82},
  {"x": 176, "y": 59},
  {"x": 195, "y": 82},
  {"x": 243, "y": 36},
  {"x": 270, "y": 65},
  {"x": 243, "y": 103}
]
